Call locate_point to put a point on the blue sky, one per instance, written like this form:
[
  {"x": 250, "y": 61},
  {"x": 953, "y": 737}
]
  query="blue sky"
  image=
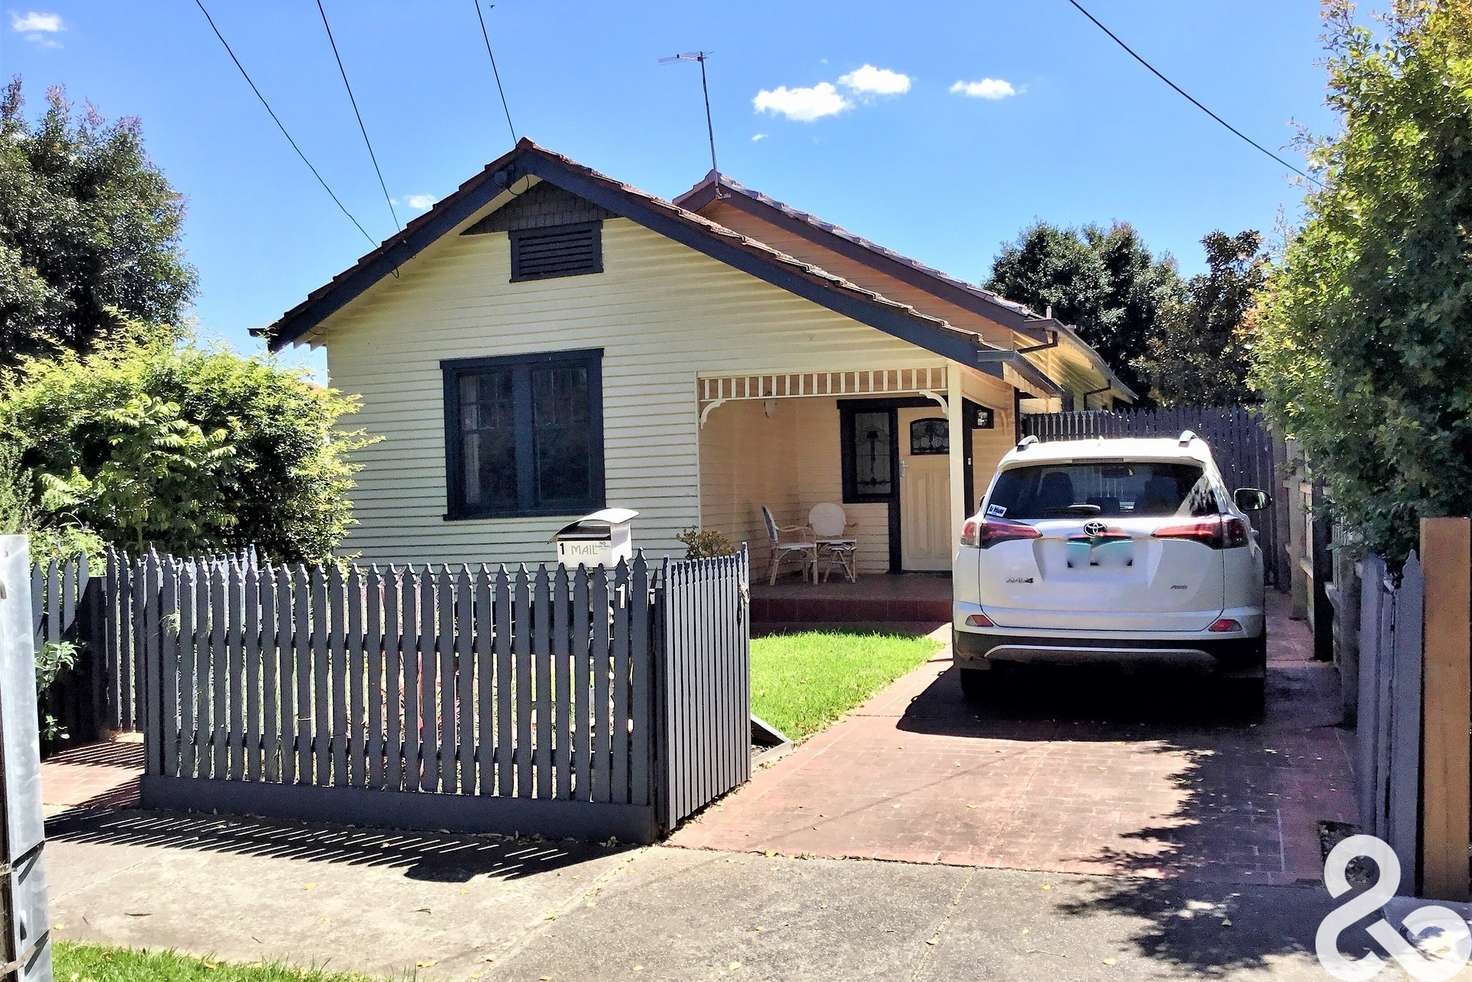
[{"x": 1050, "y": 119}]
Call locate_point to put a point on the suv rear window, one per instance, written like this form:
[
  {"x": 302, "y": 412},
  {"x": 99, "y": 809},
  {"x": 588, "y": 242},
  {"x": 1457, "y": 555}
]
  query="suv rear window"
[{"x": 1142, "y": 489}]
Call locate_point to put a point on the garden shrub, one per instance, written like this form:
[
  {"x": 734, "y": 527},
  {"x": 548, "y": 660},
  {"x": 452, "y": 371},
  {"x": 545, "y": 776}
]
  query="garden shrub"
[
  {"x": 1362, "y": 343},
  {"x": 183, "y": 448}
]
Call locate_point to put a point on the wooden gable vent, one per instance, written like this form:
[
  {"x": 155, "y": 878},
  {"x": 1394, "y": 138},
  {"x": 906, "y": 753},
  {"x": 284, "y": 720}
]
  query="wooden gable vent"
[{"x": 556, "y": 250}]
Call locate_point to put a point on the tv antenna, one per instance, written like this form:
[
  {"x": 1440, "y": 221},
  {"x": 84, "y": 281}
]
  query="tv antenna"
[{"x": 710, "y": 130}]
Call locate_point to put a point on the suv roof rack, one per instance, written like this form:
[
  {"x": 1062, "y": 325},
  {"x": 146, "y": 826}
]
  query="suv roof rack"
[
  {"x": 1186, "y": 437},
  {"x": 1027, "y": 441}
]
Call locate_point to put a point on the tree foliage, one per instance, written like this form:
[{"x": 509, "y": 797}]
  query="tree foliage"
[
  {"x": 1362, "y": 347},
  {"x": 1197, "y": 352},
  {"x": 186, "y": 449},
  {"x": 1106, "y": 283},
  {"x": 89, "y": 231}
]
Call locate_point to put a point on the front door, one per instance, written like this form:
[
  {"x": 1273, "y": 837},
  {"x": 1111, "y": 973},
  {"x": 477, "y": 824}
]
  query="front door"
[{"x": 925, "y": 489}]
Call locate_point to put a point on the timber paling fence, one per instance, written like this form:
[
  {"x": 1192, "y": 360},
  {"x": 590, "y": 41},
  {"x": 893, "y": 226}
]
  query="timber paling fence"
[
  {"x": 1240, "y": 442},
  {"x": 590, "y": 703}
]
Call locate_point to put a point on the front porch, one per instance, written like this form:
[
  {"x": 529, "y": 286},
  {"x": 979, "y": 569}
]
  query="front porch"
[
  {"x": 902, "y": 451},
  {"x": 882, "y": 599}
]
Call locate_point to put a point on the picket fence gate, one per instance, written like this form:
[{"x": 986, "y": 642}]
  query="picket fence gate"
[
  {"x": 1240, "y": 443},
  {"x": 588, "y": 703}
]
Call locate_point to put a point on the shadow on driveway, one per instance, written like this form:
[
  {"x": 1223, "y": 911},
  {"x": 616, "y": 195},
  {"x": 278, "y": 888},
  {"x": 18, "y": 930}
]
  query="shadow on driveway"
[
  {"x": 429, "y": 856},
  {"x": 1243, "y": 795}
]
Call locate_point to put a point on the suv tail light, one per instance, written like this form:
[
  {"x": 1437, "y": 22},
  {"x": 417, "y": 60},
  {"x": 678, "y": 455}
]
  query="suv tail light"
[
  {"x": 983, "y": 533},
  {"x": 1216, "y": 532}
]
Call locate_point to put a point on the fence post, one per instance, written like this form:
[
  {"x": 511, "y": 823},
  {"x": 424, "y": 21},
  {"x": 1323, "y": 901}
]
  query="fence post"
[
  {"x": 1446, "y": 555},
  {"x": 24, "y": 920}
]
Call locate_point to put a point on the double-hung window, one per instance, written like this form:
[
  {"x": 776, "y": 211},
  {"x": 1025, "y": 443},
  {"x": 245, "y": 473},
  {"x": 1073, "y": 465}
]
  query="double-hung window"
[{"x": 524, "y": 435}]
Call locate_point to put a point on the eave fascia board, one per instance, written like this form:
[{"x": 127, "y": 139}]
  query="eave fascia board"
[{"x": 1021, "y": 366}]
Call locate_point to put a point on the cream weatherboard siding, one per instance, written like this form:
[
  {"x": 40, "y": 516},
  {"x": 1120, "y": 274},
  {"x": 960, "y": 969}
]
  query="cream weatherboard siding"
[{"x": 662, "y": 313}]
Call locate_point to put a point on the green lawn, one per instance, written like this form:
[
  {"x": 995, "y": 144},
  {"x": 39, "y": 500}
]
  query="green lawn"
[
  {"x": 802, "y": 682},
  {"x": 97, "y": 963}
]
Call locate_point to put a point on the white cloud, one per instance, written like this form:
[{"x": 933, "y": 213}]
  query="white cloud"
[
  {"x": 758, "y": 137},
  {"x": 419, "y": 202},
  {"x": 38, "y": 27},
  {"x": 987, "y": 88},
  {"x": 35, "y": 21},
  {"x": 803, "y": 103},
  {"x": 869, "y": 80}
]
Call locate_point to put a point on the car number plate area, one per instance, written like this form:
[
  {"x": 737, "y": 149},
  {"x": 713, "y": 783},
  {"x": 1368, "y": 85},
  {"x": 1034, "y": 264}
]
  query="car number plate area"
[{"x": 1109, "y": 555}]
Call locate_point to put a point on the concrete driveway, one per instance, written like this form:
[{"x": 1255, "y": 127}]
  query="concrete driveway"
[{"x": 1146, "y": 774}]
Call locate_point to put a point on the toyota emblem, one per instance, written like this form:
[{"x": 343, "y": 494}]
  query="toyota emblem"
[{"x": 1095, "y": 529}]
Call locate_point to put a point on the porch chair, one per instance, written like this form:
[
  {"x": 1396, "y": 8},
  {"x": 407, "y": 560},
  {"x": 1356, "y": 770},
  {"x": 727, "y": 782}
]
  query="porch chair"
[
  {"x": 836, "y": 544},
  {"x": 788, "y": 541}
]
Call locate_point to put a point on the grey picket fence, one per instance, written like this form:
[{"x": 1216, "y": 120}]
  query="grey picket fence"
[
  {"x": 1240, "y": 442},
  {"x": 443, "y": 697},
  {"x": 705, "y": 699},
  {"x": 1388, "y": 731}
]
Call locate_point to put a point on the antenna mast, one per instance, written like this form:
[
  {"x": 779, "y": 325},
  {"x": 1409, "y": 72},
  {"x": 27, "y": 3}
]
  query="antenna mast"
[{"x": 710, "y": 130}]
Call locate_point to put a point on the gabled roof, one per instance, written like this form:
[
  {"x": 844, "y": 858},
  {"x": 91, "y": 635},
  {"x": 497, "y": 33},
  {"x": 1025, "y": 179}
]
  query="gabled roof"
[
  {"x": 1010, "y": 314},
  {"x": 528, "y": 159}
]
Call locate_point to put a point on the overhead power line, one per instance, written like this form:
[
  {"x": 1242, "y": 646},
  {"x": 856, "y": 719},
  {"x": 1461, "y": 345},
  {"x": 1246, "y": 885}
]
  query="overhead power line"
[
  {"x": 279, "y": 125},
  {"x": 494, "y": 71},
  {"x": 1192, "y": 99},
  {"x": 361, "y": 128}
]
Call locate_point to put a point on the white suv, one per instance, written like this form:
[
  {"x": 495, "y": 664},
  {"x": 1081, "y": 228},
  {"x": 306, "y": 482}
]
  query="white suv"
[{"x": 1111, "y": 550}]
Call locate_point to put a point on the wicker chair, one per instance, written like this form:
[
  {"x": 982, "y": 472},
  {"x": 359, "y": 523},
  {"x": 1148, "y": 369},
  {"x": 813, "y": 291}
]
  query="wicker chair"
[
  {"x": 836, "y": 544},
  {"x": 789, "y": 542}
]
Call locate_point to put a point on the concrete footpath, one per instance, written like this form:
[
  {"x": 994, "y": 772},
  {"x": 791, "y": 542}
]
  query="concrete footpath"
[{"x": 401, "y": 905}]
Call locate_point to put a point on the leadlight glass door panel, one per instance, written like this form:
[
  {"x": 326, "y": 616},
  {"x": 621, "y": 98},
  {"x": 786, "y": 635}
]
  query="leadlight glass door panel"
[{"x": 873, "y": 442}]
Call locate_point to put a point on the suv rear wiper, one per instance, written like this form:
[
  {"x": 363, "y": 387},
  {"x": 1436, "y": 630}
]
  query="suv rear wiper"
[{"x": 1074, "y": 510}]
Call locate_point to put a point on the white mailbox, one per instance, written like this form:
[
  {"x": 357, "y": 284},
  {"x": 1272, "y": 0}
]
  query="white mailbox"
[{"x": 599, "y": 539}]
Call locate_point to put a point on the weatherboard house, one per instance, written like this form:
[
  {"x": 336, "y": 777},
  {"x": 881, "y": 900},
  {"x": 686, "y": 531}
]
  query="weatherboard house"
[{"x": 556, "y": 341}]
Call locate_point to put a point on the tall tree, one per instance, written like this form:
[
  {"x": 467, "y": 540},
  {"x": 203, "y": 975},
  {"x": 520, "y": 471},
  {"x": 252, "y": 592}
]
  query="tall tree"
[
  {"x": 1362, "y": 347},
  {"x": 1198, "y": 352},
  {"x": 89, "y": 231},
  {"x": 1105, "y": 282}
]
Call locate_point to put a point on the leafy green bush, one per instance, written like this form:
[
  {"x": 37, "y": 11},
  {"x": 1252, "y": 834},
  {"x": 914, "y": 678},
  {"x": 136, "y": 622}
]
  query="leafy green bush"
[
  {"x": 1362, "y": 343},
  {"x": 15, "y": 499},
  {"x": 51, "y": 659},
  {"x": 184, "y": 448},
  {"x": 705, "y": 543}
]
